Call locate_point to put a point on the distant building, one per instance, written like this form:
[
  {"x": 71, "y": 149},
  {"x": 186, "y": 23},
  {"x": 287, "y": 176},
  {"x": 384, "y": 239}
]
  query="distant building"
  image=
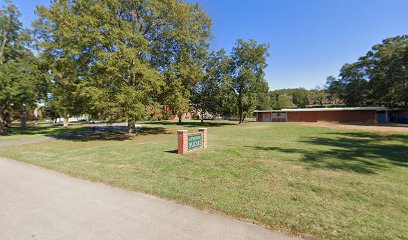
[{"x": 376, "y": 115}]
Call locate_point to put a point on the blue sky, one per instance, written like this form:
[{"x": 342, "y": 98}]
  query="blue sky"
[{"x": 309, "y": 40}]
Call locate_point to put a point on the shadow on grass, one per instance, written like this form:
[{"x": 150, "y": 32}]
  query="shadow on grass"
[
  {"x": 112, "y": 133},
  {"x": 152, "y": 131},
  {"x": 192, "y": 124},
  {"x": 97, "y": 136},
  {"x": 49, "y": 131},
  {"x": 175, "y": 151},
  {"x": 108, "y": 133},
  {"x": 87, "y": 133},
  {"x": 364, "y": 153}
]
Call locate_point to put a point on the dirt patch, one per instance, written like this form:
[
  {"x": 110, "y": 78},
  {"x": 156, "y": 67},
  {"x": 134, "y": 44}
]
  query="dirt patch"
[{"x": 357, "y": 126}]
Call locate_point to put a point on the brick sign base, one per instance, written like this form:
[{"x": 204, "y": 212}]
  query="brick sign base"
[{"x": 183, "y": 140}]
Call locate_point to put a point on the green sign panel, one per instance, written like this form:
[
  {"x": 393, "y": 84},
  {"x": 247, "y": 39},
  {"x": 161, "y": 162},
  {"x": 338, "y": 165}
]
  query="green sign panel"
[{"x": 195, "y": 141}]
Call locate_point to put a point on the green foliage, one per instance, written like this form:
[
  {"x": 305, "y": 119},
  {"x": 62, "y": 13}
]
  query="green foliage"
[
  {"x": 334, "y": 89},
  {"x": 318, "y": 95},
  {"x": 279, "y": 101},
  {"x": 247, "y": 65},
  {"x": 235, "y": 84},
  {"x": 263, "y": 98},
  {"x": 110, "y": 56},
  {"x": 21, "y": 73},
  {"x": 188, "y": 45},
  {"x": 178, "y": 97},
  {"x": 378, "y": 78},
  {"x": 226, "y": 102},
  {"x": 211, "y": 93},
  {"x": 299, "y": 97}
]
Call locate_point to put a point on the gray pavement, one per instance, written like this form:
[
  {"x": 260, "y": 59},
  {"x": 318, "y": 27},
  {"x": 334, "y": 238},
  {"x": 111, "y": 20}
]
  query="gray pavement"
[{"x": 36, "y": 203}]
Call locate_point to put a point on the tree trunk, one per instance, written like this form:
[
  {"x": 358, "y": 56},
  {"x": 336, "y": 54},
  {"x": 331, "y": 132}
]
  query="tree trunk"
[
  {"x": 179, "y": 118},
  {"x": 2, "y": 125},
  {"x": 23, "y": 118},
  {"x": 7, "y": 118},
  {"x": 241, "y": 113},
  {"x": 240, "y": 108},
  {"x": 131, "y": 126},
  {"x": 202, "y": 116},
  {"x": 66, "y": 121},
  {"x": 241, "y": 120},
  {"x": 2, "y": 128},
  {"x": 2, "y": 122}
]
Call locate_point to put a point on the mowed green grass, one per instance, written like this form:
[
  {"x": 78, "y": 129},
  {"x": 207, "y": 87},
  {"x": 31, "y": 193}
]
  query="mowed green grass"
[{"x": 314, "y": 182}]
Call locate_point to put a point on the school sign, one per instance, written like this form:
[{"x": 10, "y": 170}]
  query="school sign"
[
  {"x": 188, "y": 142},
  {"x": 195, "y": 141}
]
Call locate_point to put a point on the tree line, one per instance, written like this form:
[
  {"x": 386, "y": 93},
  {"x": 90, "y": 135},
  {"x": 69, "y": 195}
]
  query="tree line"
[
  {"x": 297, "y": 98},
  {"x": 120, "y": 60},
  {"x": 380, "y": 78}
]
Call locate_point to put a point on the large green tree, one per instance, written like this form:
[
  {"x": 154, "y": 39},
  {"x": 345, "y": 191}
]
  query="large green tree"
[
  {"x": 318, "y": 95},
  {"x": 60, "y": 47},
  {"x": 208, "y": 94},
  {"x": 300, "y": 97},
  {"x": 335, "y": 89},
  {"x": 378, "y": 78},
  {"x": 386, "y": 68},
  {"x": 226, "y": 100},
  {"x": 279, "y": 100},
  {"x": 188, "y": 45},
  {"x": 112, "y": 56},
  {"x": 248, "y": 62},
  {"x": 20, "y": 82},
  {"x": 356, "y": 90},
  {"x": 263, "y": 97}
]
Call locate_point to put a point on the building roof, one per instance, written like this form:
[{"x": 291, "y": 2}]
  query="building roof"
[{"x": 327, "y": 109}]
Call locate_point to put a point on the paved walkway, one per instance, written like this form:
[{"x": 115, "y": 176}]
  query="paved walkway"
[{"x": 36, "y": 203}]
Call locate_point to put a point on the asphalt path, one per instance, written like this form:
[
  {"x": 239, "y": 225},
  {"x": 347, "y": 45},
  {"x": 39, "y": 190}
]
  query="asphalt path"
[{"x": 37, "y": 203}]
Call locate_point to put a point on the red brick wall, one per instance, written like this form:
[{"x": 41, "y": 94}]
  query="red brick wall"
[
  {"x": 302, "y": 117},
  {"x": 332, "y": 116},
  {"x": 346, "y": 116},
  {"x": 328, "y": 116}
]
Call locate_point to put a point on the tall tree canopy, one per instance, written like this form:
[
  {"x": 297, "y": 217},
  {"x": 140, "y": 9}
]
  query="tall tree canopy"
[
  {"x": 20, "y": 81},
  {"x": 208, "y": 93},
  {"x": 113, "y": 57},
  {"x": 247, "y": 65},
  {"x": 378, "y": 78}
]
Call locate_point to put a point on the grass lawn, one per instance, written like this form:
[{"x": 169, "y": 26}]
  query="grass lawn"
[
  {"x": 315, "y": 182},
  {"x": 42, "y": 130}
]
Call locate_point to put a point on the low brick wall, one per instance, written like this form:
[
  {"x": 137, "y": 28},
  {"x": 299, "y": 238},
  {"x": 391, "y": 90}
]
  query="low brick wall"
[{"x": 182, "y": 138}]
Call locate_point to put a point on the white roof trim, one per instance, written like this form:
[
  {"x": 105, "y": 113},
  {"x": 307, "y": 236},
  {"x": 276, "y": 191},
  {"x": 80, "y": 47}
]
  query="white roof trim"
[{"x": 327, "y": 109}]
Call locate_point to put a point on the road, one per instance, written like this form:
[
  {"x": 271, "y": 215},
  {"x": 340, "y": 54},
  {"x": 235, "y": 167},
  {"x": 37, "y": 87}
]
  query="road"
[{"x": 36, "y": 203}]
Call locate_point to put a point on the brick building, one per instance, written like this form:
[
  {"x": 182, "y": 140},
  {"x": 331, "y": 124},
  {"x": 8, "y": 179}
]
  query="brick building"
[{"x": 375, "y": 115}]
